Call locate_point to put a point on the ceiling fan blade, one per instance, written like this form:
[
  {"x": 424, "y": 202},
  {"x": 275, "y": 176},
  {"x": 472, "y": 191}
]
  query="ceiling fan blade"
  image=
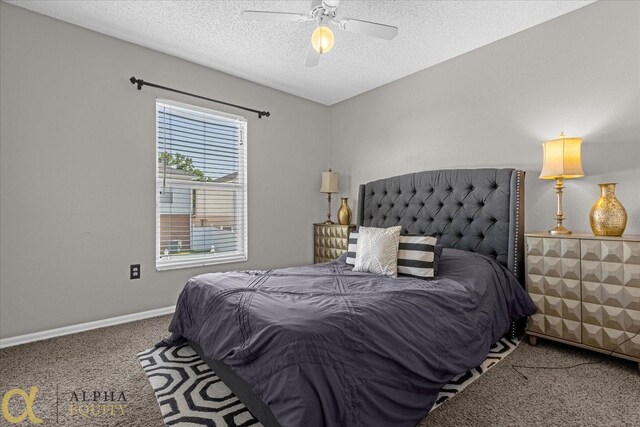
[
  {"x": 258, "y": 15},
  {"x": 313, "y": 57},
  {"x": 374, "y": 29},
  {"x": 330, "y": 4}
]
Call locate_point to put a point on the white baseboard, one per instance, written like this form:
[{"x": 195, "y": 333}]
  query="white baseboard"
[{"x": 81, "y": 327}]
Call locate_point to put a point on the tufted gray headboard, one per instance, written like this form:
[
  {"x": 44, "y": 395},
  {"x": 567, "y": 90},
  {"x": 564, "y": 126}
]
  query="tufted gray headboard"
[{"x": 478, "y": 210}]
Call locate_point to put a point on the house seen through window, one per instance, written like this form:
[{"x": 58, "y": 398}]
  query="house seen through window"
[{"x": 201, "y": 186}]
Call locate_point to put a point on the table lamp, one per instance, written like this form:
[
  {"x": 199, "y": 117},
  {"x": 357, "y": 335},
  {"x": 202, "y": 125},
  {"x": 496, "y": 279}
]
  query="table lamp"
[
  {"x": 561, "y": 161},
  {"x": 329, "y": 185}
]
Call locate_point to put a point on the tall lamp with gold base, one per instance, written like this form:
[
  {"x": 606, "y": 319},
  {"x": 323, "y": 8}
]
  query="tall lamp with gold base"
[
  {"x": 329, "y": 185},
  {"x": 562, "y": 160}
]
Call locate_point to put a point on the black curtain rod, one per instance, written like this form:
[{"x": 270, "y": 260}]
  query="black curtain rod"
[{"x": 141, "y": 83}]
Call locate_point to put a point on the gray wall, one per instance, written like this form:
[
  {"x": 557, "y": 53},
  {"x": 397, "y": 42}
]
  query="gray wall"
[
  {"x": 77, "y": 164},
  {"x": 579, "y": 73}
]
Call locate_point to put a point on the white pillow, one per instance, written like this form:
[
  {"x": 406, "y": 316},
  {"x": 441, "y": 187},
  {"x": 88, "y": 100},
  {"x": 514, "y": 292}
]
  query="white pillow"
[{"x": 377, "y": 250}]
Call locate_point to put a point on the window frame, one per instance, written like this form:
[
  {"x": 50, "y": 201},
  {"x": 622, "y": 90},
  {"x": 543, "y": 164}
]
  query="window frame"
[{"x": 165, "y": 262}]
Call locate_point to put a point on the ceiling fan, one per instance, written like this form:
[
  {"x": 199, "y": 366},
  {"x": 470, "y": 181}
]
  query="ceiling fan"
[{"x": 323, "y": 12}]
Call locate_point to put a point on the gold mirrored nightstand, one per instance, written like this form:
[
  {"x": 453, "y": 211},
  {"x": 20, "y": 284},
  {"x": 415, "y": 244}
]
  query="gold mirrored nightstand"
[
  {"x": 330, "y": 241},
  {"x": 587, "y": 290}
]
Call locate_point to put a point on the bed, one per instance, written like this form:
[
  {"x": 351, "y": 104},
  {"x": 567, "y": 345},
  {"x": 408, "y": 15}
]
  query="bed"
[{"x": 325, "y": 345}]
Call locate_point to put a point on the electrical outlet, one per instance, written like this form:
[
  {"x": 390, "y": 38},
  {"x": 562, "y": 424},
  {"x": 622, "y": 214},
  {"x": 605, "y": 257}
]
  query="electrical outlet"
[{"x": 134, "y": 271}]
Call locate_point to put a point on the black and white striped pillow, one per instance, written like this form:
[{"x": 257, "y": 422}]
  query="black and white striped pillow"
[
  {"x": 351, "y": 248},
  {"x": 416, "y": 254}
]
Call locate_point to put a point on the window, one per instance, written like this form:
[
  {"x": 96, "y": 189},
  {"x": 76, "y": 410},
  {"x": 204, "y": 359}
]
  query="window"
[{"x": 201, "y": 186}]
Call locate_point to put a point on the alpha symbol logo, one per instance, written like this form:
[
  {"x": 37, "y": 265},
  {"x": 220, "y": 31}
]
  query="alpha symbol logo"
[{"x": 28, "y": 403}]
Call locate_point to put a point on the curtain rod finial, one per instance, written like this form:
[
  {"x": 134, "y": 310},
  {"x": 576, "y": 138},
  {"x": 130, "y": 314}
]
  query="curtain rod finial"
[{"x": 140, "y": 82}]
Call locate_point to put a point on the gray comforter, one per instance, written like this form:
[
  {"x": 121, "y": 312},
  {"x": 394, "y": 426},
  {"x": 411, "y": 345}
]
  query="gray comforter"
[{"x": 325, "y": 346}]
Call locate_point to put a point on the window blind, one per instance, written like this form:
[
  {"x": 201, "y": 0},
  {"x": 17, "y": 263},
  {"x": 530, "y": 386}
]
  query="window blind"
[{"x": 201, "y": 186}]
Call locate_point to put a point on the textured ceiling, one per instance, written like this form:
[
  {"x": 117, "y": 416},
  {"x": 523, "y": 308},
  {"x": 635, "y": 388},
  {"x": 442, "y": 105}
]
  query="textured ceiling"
[{"x": 212, "y": 33}]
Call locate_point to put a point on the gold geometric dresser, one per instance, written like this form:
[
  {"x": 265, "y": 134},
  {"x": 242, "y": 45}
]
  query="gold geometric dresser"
[
  {"x": 330, "y": 241},
  {"x": 587, "y": 290}
]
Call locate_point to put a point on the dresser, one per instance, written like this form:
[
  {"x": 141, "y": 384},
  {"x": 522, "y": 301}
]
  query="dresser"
[
  {"x": 587, "y": 290},
  {"x": 330, "y": 241}
]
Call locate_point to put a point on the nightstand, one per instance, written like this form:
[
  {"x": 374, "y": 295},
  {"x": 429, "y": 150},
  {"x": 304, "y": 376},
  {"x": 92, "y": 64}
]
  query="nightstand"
[
  {"x": 330, "y": 241},
  {"x": 587, "y": 290}
]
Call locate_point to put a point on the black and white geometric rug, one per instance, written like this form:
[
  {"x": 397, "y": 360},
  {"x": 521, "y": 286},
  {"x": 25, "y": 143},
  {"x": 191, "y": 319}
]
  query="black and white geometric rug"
[
  {"x": 498, "y": 351},
  {"x": 191, "y": 394}
]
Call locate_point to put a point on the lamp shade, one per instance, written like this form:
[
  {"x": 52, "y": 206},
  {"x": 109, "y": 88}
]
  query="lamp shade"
[
  {"x": 329, "y": 182},
  {"x": 562, "y": 158}
]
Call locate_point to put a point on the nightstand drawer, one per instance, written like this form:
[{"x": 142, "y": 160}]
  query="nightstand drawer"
[{"x": 553, "y": 282}]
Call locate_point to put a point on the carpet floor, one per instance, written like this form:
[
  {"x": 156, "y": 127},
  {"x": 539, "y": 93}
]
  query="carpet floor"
[{"x": 104, "y": 360}]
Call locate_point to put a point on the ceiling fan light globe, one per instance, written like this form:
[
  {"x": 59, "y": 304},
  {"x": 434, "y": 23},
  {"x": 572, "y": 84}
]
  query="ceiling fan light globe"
[{"x": 322, "y": 39}]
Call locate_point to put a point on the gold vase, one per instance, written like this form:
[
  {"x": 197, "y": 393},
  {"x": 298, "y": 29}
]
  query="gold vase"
[
  {"x": 608, "y": 217},
  {"x": 344, "y": 213}
]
